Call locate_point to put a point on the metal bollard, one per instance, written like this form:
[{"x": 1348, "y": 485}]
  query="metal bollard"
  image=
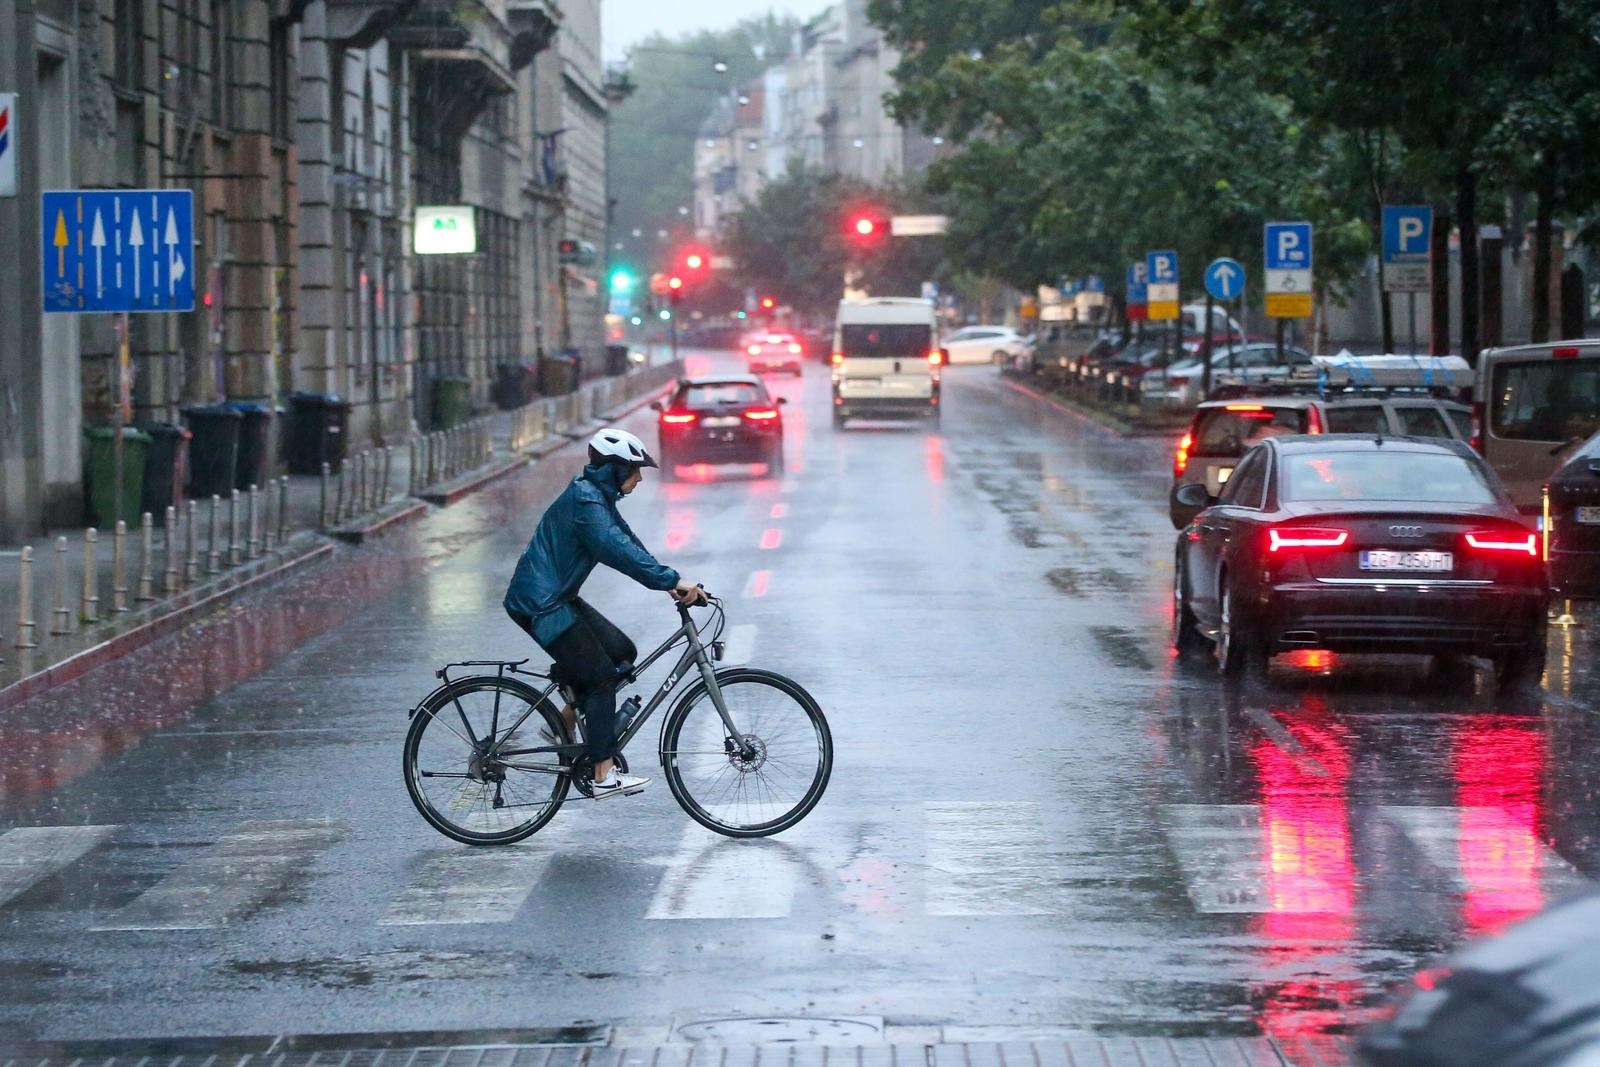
[
  {"x": 191, "y": 562},
  {"x": 283, "y": 509},
  {"x": 61, "y": 614},
  {"x": 322, "y": 503},
  {"x": 388, "y": 469},
  {"x": 363, "y": 481},
  {"x": 252, "y": 536},
  {"x": 90, "y": 611},
  {"x": 170, "y": 544},
  {"x": 147, "y": 544},
  {"x": 119, "y": 586},
  {"x": 411, "y": 466},
  {"x": 269, "y": 497},
  {"x": 233, "y": 528},
  {"x": 25, "y": 623},
  {"x": 338, "y": 501},
  {"x": 213, "y": 553}
]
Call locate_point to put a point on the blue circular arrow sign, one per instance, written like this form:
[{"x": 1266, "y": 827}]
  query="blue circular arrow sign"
[{"x": 1224, "y": 278}]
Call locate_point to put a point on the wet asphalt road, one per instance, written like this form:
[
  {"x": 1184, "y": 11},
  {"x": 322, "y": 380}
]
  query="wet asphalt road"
[{"x": 1036, "y": 816}]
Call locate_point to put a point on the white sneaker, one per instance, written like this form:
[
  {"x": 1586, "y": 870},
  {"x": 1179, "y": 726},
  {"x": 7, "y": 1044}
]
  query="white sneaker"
[{"x": 617, "y": 784}]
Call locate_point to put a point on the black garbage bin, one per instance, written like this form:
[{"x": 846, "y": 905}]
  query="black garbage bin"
[
  {"x": 166, "y": 468},
  {"x": 515, "y": 384},
  {"x": 214, "y": 448},
  {"x": 452, "y": 401},
  {"x": 255, "y": 436},
  {"x": 616, "y": 360},
  {"x": 558, "y": 375},
  {"x": 318, "y": 428}
]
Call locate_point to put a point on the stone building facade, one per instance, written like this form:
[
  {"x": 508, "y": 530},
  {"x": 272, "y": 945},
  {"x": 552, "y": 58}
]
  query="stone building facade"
[{"x": 309, "y": 131}]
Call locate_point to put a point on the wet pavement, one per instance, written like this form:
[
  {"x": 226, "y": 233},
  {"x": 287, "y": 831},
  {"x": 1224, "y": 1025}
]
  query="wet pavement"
[{"x": 1037, "y": 818}]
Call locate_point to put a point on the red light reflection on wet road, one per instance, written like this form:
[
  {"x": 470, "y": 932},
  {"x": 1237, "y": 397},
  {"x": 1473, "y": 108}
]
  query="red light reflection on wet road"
[
  {"x": 933, "y": 458},
  {"x": 1498, "y": 767}
]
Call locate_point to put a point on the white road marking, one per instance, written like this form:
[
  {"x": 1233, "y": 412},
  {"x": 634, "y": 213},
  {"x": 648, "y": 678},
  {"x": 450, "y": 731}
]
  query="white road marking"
[
  {"x": 741, "y": 641},
  {"x": 465, "y": 885},
  {"x": 30, "y": 854},
  {"x": 1486, "y": 850},
  {"x": 1219, "y": 848},
  {"x": 717, "y": 877},
  {"x": 230, "y": 878},
  {"x": 990, "y": 858}
]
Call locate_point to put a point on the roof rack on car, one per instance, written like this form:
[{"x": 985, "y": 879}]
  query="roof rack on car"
[{"x": 1347, "y": 375}]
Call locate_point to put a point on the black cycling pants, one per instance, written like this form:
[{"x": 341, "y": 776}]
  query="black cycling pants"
[{"x": 589, "y": 653}]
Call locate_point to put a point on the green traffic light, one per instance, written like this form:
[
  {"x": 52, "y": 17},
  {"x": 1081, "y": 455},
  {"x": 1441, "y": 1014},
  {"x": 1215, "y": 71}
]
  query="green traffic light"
[
  {"x": 665, "y": 314},
  {"x": 621, "y": 281}
]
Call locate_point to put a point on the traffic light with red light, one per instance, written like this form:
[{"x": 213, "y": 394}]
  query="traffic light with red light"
[
  {"x": 868, "y": 226},
  {"x": 767, "y": 303},
  {"x": 674, "y": 289}
]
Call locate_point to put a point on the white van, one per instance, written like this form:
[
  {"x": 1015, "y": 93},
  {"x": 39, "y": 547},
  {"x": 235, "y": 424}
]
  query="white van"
[
  {"x": 886, "y": 359},
  {"x": 1535, "y": 403}
]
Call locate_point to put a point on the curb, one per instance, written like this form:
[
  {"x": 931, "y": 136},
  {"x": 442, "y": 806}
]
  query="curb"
[
  {"x": 357, "y": 535},
  {"x": 80, "y": 663},
  {"x": 1089, "y": 414},
  {"x": 468, "y": 484}
]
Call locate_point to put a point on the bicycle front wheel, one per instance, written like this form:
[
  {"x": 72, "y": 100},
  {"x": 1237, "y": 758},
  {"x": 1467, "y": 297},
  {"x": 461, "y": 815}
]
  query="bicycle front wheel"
[
  {"x": 456, "y": 770},
  {"x": 790, "y": 754}
]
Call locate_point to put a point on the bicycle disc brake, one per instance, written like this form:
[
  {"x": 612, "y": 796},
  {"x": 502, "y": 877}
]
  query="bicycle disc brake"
[{"x": 739, "y": 761}]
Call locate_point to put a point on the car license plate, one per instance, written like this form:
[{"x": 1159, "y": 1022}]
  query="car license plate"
[
  {"x": 721, "y": 421},
  {"x": 1589, "y": 516},
  {"x": 865, "y": 381},
  {"x": 1384, "y": 559}
]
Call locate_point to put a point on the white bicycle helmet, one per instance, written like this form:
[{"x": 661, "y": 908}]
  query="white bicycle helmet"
[{"x": 620, "y": 446}]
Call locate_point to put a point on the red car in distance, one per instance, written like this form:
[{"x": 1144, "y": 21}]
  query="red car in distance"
[{"x": 774, "y": 351}]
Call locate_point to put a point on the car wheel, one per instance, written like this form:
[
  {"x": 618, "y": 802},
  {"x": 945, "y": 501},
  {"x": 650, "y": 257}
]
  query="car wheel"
[
  {"x": 1186, "y": 635},
  {"x": 838, "y": 421},
  {"x": 933, "y": 416},
  {"x": 1240, "y": 655},
  {"x": 775, "y": 462},
  {"x": 999, "y": 359},
  {"x": 1520, "y": 670},
  {"x": 669, "y": 468}
]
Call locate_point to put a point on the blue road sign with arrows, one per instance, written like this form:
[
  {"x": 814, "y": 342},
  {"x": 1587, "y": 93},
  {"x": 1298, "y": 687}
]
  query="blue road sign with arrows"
[
  {"x": 118, "y": 250},
  {"x": 1224, "y": 278}
]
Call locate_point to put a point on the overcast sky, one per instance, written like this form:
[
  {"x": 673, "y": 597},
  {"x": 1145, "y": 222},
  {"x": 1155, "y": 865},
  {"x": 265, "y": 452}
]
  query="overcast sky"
[{"x": 625, "y": 22}]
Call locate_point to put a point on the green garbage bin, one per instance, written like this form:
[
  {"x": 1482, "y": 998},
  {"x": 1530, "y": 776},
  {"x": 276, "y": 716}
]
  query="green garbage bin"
[
  {"x": 452, "y": 401},
  {"x": 104, "y": 504}
]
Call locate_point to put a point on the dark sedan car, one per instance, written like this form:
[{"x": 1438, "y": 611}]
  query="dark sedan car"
[
  {"x": 1572, "y": 517},
  {"x": 1359, "y": 543},
  {"x": 1528, "y": 998},
  {"x": 728, "y": 419}
]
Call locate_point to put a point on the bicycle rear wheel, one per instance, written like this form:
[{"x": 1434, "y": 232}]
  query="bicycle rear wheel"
[
  {"x": 770, "y": 791},
  {"x": 456, "y": 777}
]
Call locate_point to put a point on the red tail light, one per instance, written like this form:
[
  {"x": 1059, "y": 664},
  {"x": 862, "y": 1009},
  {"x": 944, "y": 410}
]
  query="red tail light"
[
  {"x": 1477, "y": 428},
  {"x": 1313, "y": 420},
  {"x": 761, "y": 414},
  {"x": 1180, "y": 462},
  {"x": 935, "y": 358},
  {"x": 1177, "y": 381},
  {"x": 836, "y": 359},
  {"x": 678, "y": 418},
  {"x": 1246, "y": 407},
  {"x": 1292, "y": 537},
  {"x": 1564, "y": 352},
  {"x": 1518, "y": 543},
  {"x": 795, "y": 348},
  {"x": 754, "y": 350}
]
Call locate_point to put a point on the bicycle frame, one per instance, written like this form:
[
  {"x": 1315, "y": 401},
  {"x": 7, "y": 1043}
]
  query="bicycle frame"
[{"x": 697, "y": 654}]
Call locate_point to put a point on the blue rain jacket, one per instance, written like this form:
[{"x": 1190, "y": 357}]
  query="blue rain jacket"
[{"x": 580, "y": 529}]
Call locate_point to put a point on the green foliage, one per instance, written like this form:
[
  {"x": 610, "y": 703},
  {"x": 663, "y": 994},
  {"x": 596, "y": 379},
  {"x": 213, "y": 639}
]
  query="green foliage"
[
  {"x": 792, "y": 242},
  {"x": 652, "y": 136}
]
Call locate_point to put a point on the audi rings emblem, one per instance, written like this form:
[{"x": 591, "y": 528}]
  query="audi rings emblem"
[{"x": 1405, "y": 531}]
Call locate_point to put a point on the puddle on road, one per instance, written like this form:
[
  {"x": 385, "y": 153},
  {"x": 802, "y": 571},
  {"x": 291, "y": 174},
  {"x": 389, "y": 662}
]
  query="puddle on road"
[
  {"x": 1073, "y": 582},
  {"x": 384, "y": 967},
  {"x": 1122, "y": 647}
]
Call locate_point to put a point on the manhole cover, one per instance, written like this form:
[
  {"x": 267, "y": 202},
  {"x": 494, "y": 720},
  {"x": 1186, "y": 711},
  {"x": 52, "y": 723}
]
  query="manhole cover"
[{"x": 798, "y": 1030}]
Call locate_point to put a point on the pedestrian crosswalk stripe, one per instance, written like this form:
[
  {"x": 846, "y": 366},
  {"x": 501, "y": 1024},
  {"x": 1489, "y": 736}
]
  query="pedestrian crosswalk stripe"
[
  {"x": 990, "y": 858},
  {"x": 30, "y": 854},
  {"x": 464, "y": 885},
  {"x": 1486, "y": 849},
  {"x": 229, "y": 878},
  {"x": 1219, "y": 848},
  {"x": 740, "y": 643},
  {"x": 716, "y": 877}
]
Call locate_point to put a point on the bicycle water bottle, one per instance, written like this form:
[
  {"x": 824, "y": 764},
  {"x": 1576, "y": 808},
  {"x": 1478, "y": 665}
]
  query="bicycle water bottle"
[{"x": 625, "y": 714}]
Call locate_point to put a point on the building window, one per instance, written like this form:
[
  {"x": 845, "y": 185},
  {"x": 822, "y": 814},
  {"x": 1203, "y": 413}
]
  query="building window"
[
  {"x": 280, "y": 71},
  {"x": 129, "y": 31}
]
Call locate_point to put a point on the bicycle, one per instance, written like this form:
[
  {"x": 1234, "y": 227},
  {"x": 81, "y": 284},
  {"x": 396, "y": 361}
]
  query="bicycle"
[{"x": 748, "y": 735}]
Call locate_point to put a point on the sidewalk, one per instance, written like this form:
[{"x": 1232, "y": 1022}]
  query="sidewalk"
[
  {"x": 88, "y": 602},
  {"x": 616, "y": 1047}
]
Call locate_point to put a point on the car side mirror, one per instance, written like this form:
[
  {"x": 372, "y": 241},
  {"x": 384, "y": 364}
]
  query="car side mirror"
[
  {"x": 944, "y": 355},
  {"x": 659, "y": 405},
  {"x": 783, "y": 400},
  {"x": 1187, "y": 501}
]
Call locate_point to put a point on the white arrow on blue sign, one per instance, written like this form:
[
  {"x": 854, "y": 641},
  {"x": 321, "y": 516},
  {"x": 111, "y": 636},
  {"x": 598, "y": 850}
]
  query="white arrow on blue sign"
[
  {"x": 118, "y": 250},
  {"x": 1224, "y": 278}
]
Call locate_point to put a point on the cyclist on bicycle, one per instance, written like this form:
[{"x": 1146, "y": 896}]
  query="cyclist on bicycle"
[{"x": 580, "y": 529}]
